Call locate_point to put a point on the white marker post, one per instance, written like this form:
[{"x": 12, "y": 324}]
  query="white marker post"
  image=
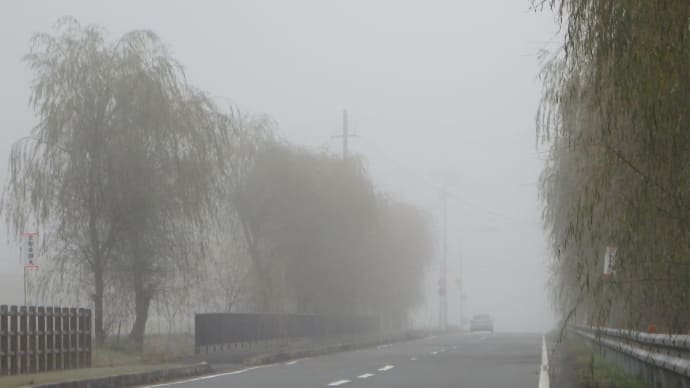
[
  {"x": 29, "y": 249},
  {"x": 610, "y": 261}
]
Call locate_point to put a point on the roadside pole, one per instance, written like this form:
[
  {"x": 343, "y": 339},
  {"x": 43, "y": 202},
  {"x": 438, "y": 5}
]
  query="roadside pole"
[{"x": 28, "y": 255}]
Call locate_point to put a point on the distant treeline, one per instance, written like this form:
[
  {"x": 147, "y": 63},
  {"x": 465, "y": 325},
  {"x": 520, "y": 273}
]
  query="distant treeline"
[
  {"x": 616, "y": 116},
  {"x": 150, "y": 199}
]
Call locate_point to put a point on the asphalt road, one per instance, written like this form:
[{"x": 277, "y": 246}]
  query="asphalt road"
[{"x": 461, "y": 360}]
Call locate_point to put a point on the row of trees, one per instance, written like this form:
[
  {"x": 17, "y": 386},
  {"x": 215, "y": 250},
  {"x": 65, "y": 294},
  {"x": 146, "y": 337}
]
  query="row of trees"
[
  {"x": 616, "y": 116},
  {"x": 322, "y": 240},
  {"x": 146, "y": 192}
]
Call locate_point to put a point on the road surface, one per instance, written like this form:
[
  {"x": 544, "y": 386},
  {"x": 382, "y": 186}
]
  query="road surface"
[{"x": 459, "y": 360}]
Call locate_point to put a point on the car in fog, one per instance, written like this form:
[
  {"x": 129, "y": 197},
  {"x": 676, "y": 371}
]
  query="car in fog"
[{"x": 482, "y": 322}]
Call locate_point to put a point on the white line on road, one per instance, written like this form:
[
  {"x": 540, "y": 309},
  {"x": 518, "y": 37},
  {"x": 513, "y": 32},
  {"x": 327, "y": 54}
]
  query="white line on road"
[
  {"x": 413, "y": 359},
  {"x": 544, "y": 370},
  {"x": 208, "y": 377},
  {"x": 434, "y": 353},
  {"x": 339, "y": 382},
  {"x": 365, "y": 376},
  {"x": 387, "y": 367}
]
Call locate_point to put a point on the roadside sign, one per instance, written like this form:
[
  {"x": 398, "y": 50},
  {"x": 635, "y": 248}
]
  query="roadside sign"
[
  {"x": 610, "y": 260},
  {"x": 29, "y": 248}
]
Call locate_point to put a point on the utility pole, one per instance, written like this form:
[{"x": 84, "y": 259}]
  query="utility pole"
[
  {"x": 346, "y": 135},
  {"x": 461, "y": 295},
  {"x": 443, "y": 292}
]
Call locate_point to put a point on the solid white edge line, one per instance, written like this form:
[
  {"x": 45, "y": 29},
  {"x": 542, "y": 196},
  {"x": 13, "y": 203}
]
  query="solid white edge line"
[
  {"x": 236, "y": 372},
  {"x": 544, "y": 380},
  {"x": 339, "y": 382}
]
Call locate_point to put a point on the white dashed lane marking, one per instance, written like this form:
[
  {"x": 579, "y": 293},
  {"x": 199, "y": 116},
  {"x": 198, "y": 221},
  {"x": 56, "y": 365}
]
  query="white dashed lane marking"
[
  {"x": 387, "y": 367},
  {"x": 293, "y": 362},
  {"x": 339, "y": 382},
  {"x": 365, "y": 376}
]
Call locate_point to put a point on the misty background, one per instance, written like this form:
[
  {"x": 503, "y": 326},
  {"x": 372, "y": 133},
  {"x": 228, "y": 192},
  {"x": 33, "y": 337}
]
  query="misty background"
[{"x": 437, "y": 91}]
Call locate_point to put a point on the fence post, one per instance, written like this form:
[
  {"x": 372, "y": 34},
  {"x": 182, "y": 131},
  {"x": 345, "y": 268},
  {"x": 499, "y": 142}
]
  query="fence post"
[
  {"x": 87, "y": 337},
  {"x": 50, "y": 339},
  {"x": 69, "y": 336},
  {"x": 4, "y": 342},
  {"x": 41, "y": 338},
  {"x": 23, "y": 340},
  {"x": 32, "y": 343},
  {"x": 59, "y": 338},
  {"x": 14, "y": 341},
  {"x": 74, "y": 337}
]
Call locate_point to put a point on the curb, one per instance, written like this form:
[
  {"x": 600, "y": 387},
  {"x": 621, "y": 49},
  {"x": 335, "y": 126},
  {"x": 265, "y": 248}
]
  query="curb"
[{"x": 132, "y": 379}]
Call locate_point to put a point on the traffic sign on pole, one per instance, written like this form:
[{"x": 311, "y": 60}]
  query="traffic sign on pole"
[{"x": 29, "y": 248}]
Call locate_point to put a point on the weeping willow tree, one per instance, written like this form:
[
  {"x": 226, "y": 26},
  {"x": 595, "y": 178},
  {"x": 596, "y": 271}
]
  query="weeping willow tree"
[
  {"x": 322, "y": 240},
  {"x": 125, "y": 168},
  {"x": 616, "y": 114}
]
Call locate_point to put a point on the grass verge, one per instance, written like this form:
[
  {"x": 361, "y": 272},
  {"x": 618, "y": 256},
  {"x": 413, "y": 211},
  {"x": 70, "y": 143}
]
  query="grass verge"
[
  {"x": 594, "y": 371},
  {"x": 160, "y": 352},
  {"x": 76, "y": 374}
]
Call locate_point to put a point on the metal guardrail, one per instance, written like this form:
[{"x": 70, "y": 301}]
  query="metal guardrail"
[
  {"x": 660, "y": 359},
  {"x": 215, "y": 331}
]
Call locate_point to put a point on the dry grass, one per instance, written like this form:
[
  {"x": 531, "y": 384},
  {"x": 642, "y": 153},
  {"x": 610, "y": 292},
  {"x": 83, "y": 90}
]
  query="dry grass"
[
  {"x": 593, "y": 371},
  {"x": 160, "y": 352},
  {"x": 76, "y": 374}
]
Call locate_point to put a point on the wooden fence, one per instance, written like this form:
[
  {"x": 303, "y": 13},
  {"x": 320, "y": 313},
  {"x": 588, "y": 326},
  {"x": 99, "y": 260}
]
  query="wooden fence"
[{"x": 38, "y": 339}]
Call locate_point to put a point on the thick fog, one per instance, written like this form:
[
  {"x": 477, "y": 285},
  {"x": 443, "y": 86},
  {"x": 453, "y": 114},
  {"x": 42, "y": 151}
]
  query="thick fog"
[{"x": 439, "y": 93}]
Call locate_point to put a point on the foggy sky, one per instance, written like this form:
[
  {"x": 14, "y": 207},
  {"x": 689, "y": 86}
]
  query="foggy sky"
[{"x": 433, "y": 88}]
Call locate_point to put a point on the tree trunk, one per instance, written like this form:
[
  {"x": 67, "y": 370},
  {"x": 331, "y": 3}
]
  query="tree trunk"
[
  {"x": 141, "y": 309},
  {"x": 98, "y": 306}
]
